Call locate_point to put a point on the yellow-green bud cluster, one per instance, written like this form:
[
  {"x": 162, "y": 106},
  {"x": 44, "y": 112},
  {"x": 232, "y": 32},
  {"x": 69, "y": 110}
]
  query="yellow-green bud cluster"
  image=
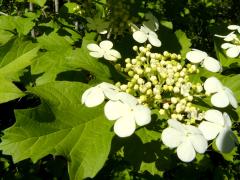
[{"x": 162, "y": 81}]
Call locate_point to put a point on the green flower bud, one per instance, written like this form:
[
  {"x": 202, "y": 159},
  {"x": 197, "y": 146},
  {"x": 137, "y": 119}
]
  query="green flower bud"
[
  {"x": 135, "y": 48},
  {"x": 131, "y": 73},
  {"x": 162, "y": 111}
]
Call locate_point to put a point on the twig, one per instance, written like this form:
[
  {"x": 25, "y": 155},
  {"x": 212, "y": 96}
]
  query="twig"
[
  {"x": 56, "y": 4},
  {"x": 31, "y": 10}
]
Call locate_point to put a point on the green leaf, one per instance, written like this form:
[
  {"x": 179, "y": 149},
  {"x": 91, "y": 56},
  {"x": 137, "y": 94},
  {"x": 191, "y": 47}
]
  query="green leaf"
[
  {"x": 61, "y": 125},
  {"x": 15, "y": 56},
  {"x": 60, "y": 57},
  {"x": 184, "y": 42},
  {"x": 5, "y": 36},
  {"x": 174, "y": 42},
  {"x": 38, "y": 2},
  {"x": 22, "y": 25},
  {"x": 8, "y": 91}
]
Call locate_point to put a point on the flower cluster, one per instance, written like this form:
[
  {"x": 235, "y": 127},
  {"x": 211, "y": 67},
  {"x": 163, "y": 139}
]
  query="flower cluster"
[
  {"x": 232, "y": 45},
  {"x": 163, "y": 82}
]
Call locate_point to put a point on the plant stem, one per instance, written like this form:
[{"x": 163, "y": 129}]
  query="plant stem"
[
  {"x": 56, "y": 4},
  {"x": 31, "y": 10}
]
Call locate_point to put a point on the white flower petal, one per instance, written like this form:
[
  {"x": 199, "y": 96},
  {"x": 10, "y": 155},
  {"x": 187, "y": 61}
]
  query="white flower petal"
[
  {"x": 154, "y": 40},
  {"x": 85, "y": 95},
  {"x": 145, "y": 29},
  {"x": 209, "y": 130},
  {"x": 109, "y": 57},
  {"x": 96, "y": 54},
  {"x": 196, "y": 56},
  {"x": 140, "y": 36},
  {"x": 233, "y": 52},
  {"x": 225, "y": 141},
  {"x": 94, "y": 97},
  {"x": 176, "y": 125},
  {"x": 231, "y": 97},
  {"x": 125, "y": 126},
  {"x": 212, "y": 85},
  {"x": 193, "y": 130},
  {"x": 212, "y": 64},
  {"x": 128, "y": 99},
  {"x": 114, "y": 53},
  {"x": 233, "y": 27},
  {"x": 106, "y": 45},
  {"x": 102, "y": 31},
  {"x": 227, "y": 45},
  {"x": 228, "y": 122},
  {"x": 186, "y": 152},
  {"x": 171, "y": 137},
  {"x": 230, "y": 37},
  {"x": 214, "y": 116},
  {"x": 93, "y": 47},
  {"x": 142, "y": 115},
  {"x": 220, "y": 99},
  {"x": 114, "y": 110},
  {"x": 199, "y": 143}
]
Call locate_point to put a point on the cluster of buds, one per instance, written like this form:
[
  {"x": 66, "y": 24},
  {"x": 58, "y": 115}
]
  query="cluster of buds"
[{"x": 162, "y": 81}]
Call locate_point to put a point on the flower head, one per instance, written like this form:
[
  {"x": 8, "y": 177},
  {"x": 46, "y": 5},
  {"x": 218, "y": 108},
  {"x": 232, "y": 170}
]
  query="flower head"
[
  {"x": 223, "y": 96},
  {"x": 232, "y": 50},
  {"x": 187, "y": 138},
  {"x": 98, "y": 25},
  {"x": 144, "y": 34},
  {"x": 104, "y": 50},
  {"x": 127, "y": 113},
  {"x": 209, "y": 63},
  {"x": 95, "y": 95},
  {"x": 218, "y": 125}
]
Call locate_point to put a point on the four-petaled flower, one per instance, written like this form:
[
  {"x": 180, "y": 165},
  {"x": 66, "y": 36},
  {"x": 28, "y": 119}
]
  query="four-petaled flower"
[
  {"x": 104, "y": 50},
  {"x": 124, "y": 108},
  {"x": 218, "y": 125},
  {"x": 223, "y": 96},
  {"x": 95, "y": 95},
  {"x": 209, "y": 63},
  {"x": 187, "y": 138},
  {"x": 144, "y": 34},
  {"x": 232, "y": 50}
]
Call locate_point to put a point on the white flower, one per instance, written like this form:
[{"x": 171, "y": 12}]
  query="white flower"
[
  {"x": 127, "y": 113},
  {"x": 187, "y": 138},
  {"x": 218, "y": 125},
  {"x": 230, "y": 37},
  {"x": 98, "y": 24},
  {"x": 234, "y": 27},
  {"x": 223, "y": 96},
  {"x": 232, "y": 50},
  {"x": 95, "y": 95},
  {"x": 144, "y": 34},
  {"x": 104, "y": 50},
  {"x": 209, "y": 63}
]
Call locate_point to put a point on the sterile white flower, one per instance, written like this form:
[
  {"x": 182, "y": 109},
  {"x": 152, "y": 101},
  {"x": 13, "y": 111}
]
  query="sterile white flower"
[
  {"x": 234, "y": 27},
  {"x": 230, "y": 37},
  {"x": 209, "y": 63},
  {"x": 95, "y": 95},
  {"x": 144, "y": 34},
  {"x": 104, "y": 50},
  {"x": 232, "y": 50},
  {"x": 186, "y": 138},
  {"x": 222, "y": 96},
  {"x": 218, "y": 125},
  {"x": 127, "y": 113}
]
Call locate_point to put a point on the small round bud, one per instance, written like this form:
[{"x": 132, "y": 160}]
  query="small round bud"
[
  {"x": 143, "y": 59},
  {"x": 136, "y": 76},
  {"x": 143, "y": 98},
  {"x": 166, "y": 54},
  {"x": 149, "y": 92},
  {"x": 140, "y": 81},
  {"x": 141, "y": 48},
  {"x": 135, "y": 48},
  {"x": 148, "y": 54},
  {"x": 123, "y": 87},
  {"x": 162, "y": 111},
  {"x": 158, "y": 97},
  {"x": 174, "y": 100},
  {"x": 189, "y": 98},
  {"x": 131, "y": 73},
  {"x": 136, "y": 87},
  {"x": 165, "y": 106},
  {"x": 176, "y": 89},
  {"x": 118, "y": 84},
  {"x": 127, "y": 60},
  {"x": 128, "y": 65},
  {"x": 149, "y": 46},
  {"x": 134, "y": 61},
  {"x": 174, "y": 116}
]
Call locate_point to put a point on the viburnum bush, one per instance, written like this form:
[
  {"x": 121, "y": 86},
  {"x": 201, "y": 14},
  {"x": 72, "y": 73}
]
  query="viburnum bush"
[{"x": 98, "y": 82}]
